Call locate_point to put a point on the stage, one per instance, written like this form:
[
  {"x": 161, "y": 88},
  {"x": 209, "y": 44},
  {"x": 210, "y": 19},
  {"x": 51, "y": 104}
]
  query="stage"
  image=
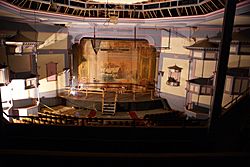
[{"x": 125, "y": 101}]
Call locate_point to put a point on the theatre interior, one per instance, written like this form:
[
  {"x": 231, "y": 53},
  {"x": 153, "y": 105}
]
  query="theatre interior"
[{"x": 98, "y": 77}]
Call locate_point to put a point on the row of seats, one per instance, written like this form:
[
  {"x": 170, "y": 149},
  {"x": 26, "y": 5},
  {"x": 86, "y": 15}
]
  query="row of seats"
[
  {"x": 171, "y": 115},
  {"x": 168, "y": 118},
  {"x": 171, "y": 118},
  {"x": 77, "y": 121},
  {"x": 55, "y": 118},
  {"x": 149, "y": 120}
]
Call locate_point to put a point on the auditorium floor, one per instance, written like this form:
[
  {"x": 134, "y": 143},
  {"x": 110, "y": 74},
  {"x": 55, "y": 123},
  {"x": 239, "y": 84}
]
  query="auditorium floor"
[{"x": 66, "y": 110}]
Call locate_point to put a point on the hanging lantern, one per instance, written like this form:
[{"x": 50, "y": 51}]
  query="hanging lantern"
[{"x": 174, "y": 75}]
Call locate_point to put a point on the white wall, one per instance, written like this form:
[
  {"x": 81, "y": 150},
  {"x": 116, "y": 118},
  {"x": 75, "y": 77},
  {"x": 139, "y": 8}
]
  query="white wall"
[{"x": 19, "y": 92}]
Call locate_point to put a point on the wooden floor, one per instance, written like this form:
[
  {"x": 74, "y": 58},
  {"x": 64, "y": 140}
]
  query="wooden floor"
[
  {"x": 66, "y": 110},
  {"x": 133, "y": 101}
]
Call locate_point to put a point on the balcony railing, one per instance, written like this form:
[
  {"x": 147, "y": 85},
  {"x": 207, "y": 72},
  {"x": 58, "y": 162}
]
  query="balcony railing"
[
  {"x": 197, "y": 111},
  {"x": 200, "y": 86}
]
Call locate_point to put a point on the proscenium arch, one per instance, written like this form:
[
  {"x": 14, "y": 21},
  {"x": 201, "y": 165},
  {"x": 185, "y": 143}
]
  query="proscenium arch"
[
  {"x": 143, "y": 76},
  {"x": 150, "y": 40}
]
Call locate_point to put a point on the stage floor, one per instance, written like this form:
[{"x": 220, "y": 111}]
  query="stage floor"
[
  {"x": 110, "y": 96},
  {"x": 125, "y": 101}
]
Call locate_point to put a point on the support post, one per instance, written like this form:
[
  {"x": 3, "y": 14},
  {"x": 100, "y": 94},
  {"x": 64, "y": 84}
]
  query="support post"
[
  {"x": 224, "y": 52},
  {"x": 1, "y": 114}
]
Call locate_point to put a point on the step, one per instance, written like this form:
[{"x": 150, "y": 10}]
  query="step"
[
  {"x": 109, "y": 110},
  {"x": 108, "y": 113},
  {"x": 106, "y": 104}
]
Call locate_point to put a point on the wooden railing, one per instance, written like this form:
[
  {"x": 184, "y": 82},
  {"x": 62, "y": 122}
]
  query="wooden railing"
[
  {"x": 233, "y": 102},
  {"x": 104, "y": 88}
]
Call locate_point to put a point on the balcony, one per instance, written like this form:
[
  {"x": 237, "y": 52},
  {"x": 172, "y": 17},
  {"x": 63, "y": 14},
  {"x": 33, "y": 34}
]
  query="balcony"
[
  {"x": 197, "y": 111},
  {"x": 200, "y": 86},
  {"x": 237, "y": 80}
]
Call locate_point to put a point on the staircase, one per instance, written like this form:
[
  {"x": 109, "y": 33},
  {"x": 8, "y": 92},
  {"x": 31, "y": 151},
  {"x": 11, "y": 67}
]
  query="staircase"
[
  {"x": 235, "y": 101},
  {"x": 109, "y": 107}
]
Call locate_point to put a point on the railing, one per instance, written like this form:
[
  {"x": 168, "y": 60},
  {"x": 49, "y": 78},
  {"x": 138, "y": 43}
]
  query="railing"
[
  {"x": 233, "y": 102},
  {"x": 196, "y": 108},
  {"x": 171, "y": 8},
  {"x": 68, "y": 120},
  {"x": 200, "y": 89},
  {"x": 104, "y": 88}
]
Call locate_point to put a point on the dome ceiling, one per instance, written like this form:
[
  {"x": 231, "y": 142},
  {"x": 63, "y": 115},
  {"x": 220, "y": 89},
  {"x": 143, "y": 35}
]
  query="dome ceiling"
[
  {"x": 120, "y": 1},
  {"x": 126, "y": 1}
]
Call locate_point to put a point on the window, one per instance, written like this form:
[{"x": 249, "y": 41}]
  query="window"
[{"x": 30, "y": 83}]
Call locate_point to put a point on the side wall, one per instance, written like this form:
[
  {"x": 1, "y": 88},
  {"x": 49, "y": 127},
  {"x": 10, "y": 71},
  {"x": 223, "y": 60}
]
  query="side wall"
[{"x": 53, "y": 50}]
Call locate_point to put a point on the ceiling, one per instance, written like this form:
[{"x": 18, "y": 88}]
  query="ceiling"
[
  {"x": 121, "y": 1},
  {"x": 211, "y": 19}
]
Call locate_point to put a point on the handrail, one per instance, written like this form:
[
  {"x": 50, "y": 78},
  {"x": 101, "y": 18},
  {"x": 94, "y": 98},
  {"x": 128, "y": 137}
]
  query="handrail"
[
  {"x": 119, "y": 88},
  {"x": 102, "y": 92},
  {"x": 236, "y": 99},
  {"x": 47, "y": 106}
]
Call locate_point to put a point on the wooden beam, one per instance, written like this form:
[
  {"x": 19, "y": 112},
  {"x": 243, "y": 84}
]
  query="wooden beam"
[
  {"x": 204, "y": 8},
  {"x": 191, "y": 10},
  {"x": 49, "y": 7},
  {"x": 39, "y": 8},
  {"x": 84, "y": 13},
  {"x": 224, "y": 52},
  {"x": 161, "y": 13},
  {"x": 30, "y": 4},
  {"x": 80, "y": 13},
  {"x": 58, "y": 9},
  {"x": 201, "y": 9},
  {"x": 178, "y": 12},
  {"x": 143, "y": 14},
  {"x": 186, "y": 11},
  {"x": 221, "y": 3},
  {"x": 154, "y": 13},
  {"x": 169, "y": 12},
  {"x": 73, "y": 11},
  {"x": 214, "y": 5},
  {"x": 151, "y": 14},
  {"x": 66, "y": 10},
  {"x": 1, "y": 115},
  {"x": 209, "y": 7},
  {"x": 195, "y": 10},
  {"x": 20, "y": 2}
]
